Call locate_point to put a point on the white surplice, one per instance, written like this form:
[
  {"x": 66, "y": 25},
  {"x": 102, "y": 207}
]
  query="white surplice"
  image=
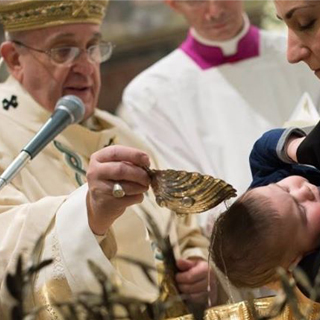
[{"x": 207, "y": 120}]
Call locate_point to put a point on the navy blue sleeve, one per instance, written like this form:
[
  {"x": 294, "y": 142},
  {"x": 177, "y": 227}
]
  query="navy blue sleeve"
[{"x": 265, "y": 165}]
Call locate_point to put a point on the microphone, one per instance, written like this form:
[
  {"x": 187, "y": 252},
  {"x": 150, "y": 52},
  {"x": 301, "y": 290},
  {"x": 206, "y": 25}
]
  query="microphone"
[{"x": 68, "y": 110}]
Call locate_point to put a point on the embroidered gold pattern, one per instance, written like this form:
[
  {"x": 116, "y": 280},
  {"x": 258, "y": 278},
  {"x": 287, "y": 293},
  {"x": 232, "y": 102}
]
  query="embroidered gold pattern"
[
  {"x": 30, "y": 14},
  {"x": 80, "y": 6}
]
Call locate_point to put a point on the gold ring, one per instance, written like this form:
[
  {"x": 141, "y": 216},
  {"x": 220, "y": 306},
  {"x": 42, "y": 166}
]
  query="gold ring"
[{"x": 118, "y": 191}]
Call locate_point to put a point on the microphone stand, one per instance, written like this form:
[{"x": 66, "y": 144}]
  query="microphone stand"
[
  {"x": 69, "y": 109},
  {"x": 14, "y": 168}
]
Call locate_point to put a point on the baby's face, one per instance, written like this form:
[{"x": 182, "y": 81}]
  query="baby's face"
[{"x": 298, "y": 204}]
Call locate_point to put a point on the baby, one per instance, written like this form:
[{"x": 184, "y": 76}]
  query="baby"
[{"x": 277, "y": 221}]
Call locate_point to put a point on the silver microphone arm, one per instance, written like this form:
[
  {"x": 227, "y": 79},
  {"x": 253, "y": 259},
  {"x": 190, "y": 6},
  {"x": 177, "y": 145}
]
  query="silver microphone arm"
[
  {"x": 69, "y": 109},
  {"x": 14, "y": 168}
]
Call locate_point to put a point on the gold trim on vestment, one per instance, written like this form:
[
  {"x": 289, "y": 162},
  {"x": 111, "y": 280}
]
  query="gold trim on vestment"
[
  {"x": 21, "y": 15},
  {"x": 263, "y": 306}
]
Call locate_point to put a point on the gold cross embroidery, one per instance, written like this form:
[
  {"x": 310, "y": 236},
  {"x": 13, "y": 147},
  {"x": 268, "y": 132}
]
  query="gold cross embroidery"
[{"x": 80, "y": 6}]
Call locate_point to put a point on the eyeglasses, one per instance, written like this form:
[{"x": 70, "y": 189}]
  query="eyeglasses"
[{"x": 97, "y": 53}]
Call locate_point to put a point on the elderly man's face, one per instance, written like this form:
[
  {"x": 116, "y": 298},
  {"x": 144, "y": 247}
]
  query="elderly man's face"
[
  {"x": 215, "y": 20},
  {"x": 47, "y": 81}
]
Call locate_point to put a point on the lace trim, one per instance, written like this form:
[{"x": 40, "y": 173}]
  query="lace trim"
[{"x": 58, "y": 269}]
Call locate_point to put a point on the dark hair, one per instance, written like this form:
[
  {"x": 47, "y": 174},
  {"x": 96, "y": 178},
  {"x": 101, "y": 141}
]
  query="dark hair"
[{"x": 246, "y": 242}]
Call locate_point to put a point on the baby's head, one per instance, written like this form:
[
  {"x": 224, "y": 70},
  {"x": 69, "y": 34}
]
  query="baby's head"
[{"x": 264, "y": 229}]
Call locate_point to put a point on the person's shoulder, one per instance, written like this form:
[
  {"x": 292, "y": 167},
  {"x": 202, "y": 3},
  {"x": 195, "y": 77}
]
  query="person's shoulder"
[
  {"x": 163, "y": 72},
  {"x": 273, "y": 42},
  {"x": 127, "y": 135},
  {"x": 164, "y": 66},
  {"x": 9, "y": 98},
  {"x": 167, "y": 62},
  {"x": 110, "y": 119}
]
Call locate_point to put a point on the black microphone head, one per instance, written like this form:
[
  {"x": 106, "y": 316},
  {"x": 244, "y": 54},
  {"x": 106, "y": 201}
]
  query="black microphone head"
[{"x": 73, "y": 105}]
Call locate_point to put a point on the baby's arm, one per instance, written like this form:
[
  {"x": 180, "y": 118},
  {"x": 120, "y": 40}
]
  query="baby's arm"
[{"x": 269, "y": 161}]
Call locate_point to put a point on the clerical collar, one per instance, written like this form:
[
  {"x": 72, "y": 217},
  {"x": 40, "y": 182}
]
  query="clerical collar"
[{"x": 209, "y": 54}]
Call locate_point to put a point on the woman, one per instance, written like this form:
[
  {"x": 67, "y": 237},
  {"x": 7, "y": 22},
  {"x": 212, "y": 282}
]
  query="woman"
[
  {"x": 259, "y": 233},
  {"x": 303, "y": 21}
]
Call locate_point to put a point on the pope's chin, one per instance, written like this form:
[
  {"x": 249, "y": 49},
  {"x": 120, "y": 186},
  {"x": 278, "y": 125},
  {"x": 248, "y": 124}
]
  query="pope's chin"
[{"x": 89, "y": 109}]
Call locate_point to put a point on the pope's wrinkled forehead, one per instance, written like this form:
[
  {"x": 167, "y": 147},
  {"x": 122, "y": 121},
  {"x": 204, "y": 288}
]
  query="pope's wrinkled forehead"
[{"x": 23, "y": 15}]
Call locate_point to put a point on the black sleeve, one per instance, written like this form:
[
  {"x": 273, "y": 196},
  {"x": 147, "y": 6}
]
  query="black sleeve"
[
  {"x": 310, "y": 265},
  {"x": 309, "y": 150}
]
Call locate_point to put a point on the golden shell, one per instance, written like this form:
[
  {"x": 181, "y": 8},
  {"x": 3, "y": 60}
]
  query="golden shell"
[{"x": 188, "y": 192}]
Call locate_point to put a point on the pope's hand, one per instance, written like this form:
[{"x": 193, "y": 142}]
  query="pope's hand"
[{"x": 108, "y": 166}]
